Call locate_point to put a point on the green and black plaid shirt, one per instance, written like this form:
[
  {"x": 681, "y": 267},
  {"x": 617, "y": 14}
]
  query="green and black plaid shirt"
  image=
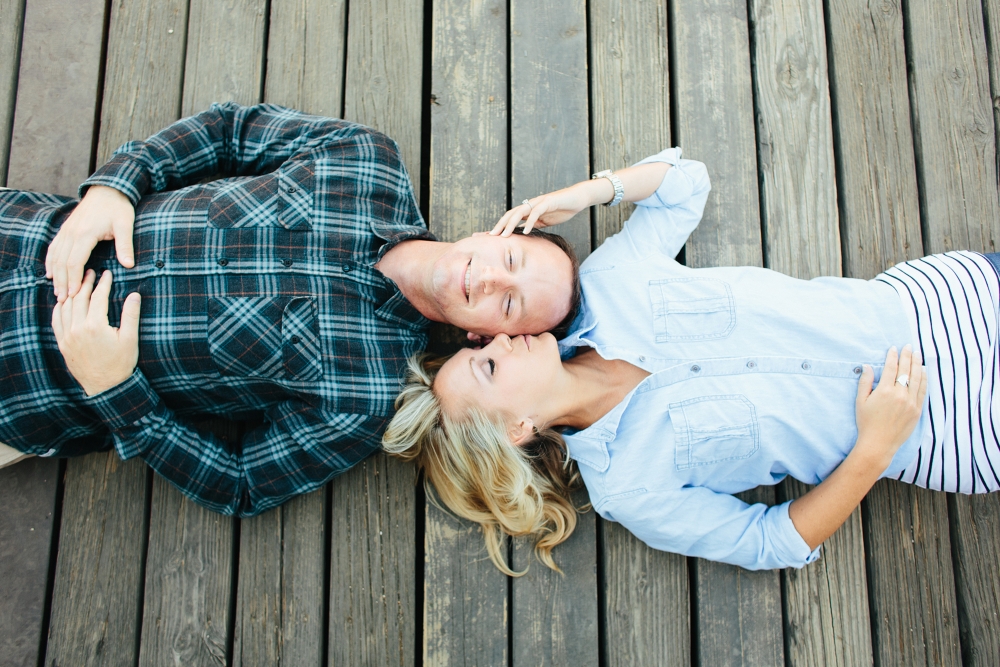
[{"x": 259, "y": 296}]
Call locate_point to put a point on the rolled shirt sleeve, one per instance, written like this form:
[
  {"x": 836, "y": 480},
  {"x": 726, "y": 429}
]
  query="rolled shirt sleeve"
[{"x": 695, "y": 521}]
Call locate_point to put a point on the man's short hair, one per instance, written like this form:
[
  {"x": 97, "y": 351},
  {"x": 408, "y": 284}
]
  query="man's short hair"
[{"x": 560, "y": 330}]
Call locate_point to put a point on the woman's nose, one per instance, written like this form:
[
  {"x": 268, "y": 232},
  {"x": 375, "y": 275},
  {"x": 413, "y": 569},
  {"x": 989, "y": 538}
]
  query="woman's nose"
[{"x": 504, "y": 341}]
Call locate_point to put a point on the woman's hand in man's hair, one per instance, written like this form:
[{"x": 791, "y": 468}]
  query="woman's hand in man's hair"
[
  {"x": 549, "y": 209},
  {"x": 98, "y": 355},
  {"x": 104, "y": 214}
]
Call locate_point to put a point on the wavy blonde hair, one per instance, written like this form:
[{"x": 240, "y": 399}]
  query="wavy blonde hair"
[{"x": 479, "y": 474}]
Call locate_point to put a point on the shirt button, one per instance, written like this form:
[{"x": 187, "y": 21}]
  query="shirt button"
[
  {"x": 347, "y": 267},
  {"x": 642, "y": 358},
  {"x": 857, "y": 370},
  {"x": 159, "y": 264},
  {"x": 806, "y": 366},
  {"x": 223, "y": 261},
  {"x": 291, "y": 190},
  {"x": 287, "y": 262},
  {"x": 40, "y": 272},
  {"x": 751, "y": 364},
  {"x": 696, "y": 368},
  {"x": 296, "y": 340}
]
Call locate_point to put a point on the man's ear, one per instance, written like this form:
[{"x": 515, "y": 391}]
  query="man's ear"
[
  {"x": 478, "y": 339},
  {"x": 521, "y": 432}
]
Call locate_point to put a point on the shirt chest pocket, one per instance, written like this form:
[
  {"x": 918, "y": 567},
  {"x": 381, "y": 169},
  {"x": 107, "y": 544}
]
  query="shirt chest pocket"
[
  {"x": 283, "y": 198},
  {"x": 691, "y": 309},
  {"x": 712, "y": 429},
  {"x": 266, "y": 337}
]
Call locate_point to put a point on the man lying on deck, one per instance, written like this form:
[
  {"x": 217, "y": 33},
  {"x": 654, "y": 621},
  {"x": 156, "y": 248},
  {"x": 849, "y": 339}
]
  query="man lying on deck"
[{"x": 296, "y": 287}]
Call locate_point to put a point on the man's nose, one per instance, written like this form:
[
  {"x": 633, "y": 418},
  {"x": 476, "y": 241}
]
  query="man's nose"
[{"x": 493, "y": 280}]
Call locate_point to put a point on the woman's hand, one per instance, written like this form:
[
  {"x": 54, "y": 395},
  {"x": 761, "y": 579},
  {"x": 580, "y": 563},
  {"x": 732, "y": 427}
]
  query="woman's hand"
[
  {"x": 887, "y": 416},
  {"x": 104, "y": 214},
  {"x": 98, "y": 355},
  {"x": 549, "y": 209}
]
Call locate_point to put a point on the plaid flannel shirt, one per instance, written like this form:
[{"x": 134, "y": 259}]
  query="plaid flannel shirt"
[{"x": 259, "y": 296}]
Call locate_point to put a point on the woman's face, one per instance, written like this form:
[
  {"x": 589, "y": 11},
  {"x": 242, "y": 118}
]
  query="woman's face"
[{"x": 510, "y": 375}]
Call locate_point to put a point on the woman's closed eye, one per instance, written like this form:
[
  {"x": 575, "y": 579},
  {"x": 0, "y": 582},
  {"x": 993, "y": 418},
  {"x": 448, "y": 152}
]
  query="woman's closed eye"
[{"x": 493, "y": 365}]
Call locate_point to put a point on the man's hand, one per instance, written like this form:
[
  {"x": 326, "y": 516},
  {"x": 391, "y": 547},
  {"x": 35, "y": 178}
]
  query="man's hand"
[
  {"x": 104, "y": 214},
  {"x": 98, "y": 355}
]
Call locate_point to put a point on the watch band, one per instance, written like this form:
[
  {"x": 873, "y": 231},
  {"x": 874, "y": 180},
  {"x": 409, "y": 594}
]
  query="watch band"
[{"x": 615, "y": 182}]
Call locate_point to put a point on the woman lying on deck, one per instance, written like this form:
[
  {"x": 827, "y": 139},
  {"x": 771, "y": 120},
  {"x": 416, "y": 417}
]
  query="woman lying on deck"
[{"x": 679, "y": 387}]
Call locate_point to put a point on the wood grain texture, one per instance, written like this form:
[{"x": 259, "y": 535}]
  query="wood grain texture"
[
  {"x": 11, "y": 22},
  {"x": 145, "y": 65},
  {"x": 305, "y": 55},
  {"x": 629, "y": 94},
  {"x": 975, "y": 534},
  {"x": 225, "y": 53},
  {"x": 94, "y": 618},
  {"x": 955, "y": 138},
  {"x": 647, "y": 610},
  {"x": 373, "y": 564},
  {"x": 914, "y": 615},
  {"x": 826, "y": 603},
  {"x": 738, "y": 612},
  {"x": 876, "y": 175},
  {"x": 795, "y": 138},
  {"x": 555, "y": 615},
  {"x": 385, "y": 61},
  {"x": 28, "y": 498},
  {"x": 991, "y": 19},
  {"x": 57, "y": 95},
  {"x": 465, "y": 596},
  {"x": 548, "y": 107},
  {"x": 647, "y": 613},
  {"x": 715, "y": 125},
  {"x": 188, "y": 581}
]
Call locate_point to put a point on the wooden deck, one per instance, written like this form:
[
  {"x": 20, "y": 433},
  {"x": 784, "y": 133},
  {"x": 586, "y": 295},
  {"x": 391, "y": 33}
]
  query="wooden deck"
[{"x": 841, "y": 137}]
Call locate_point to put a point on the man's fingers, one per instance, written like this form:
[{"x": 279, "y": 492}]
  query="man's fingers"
[
  {"x": 123, "y": 243},
  {"x": 57, "y": 323},
  {"x": 128, "y": 330},
  {"x": 99, "y": 301},
  {"x": 81, "y": 301},
  {"x": 75, "y": 263}
]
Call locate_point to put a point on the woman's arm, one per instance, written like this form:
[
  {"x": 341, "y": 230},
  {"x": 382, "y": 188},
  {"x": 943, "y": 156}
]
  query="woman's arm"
[{"x": 886, "y": 417}]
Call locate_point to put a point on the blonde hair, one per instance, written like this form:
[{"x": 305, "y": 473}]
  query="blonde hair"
[{"x": 479, "y": 474}]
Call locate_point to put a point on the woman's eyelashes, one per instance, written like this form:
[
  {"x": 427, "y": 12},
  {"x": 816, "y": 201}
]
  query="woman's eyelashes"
[{"x": 493, "y": 366}]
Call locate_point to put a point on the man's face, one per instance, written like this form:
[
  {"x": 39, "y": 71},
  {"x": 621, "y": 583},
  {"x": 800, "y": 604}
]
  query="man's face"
[{"x": 514, "y": 285}]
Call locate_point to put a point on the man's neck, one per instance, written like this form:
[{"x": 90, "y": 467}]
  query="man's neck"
[{"x": 410, "y": 264}]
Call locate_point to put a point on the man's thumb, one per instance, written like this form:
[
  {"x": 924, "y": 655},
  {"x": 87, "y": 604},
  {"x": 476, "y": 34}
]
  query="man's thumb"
[{"x": 129, "y": 326}]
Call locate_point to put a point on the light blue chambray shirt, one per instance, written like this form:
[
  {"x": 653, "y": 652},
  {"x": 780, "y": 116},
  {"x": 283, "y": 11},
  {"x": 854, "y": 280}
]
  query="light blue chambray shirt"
[{"x": 754, "y": 377}]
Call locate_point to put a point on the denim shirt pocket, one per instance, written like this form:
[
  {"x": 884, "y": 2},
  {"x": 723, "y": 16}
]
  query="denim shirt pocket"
[
  {"x": 712, "y": 429},
  {"x": 691, "y": 309}
]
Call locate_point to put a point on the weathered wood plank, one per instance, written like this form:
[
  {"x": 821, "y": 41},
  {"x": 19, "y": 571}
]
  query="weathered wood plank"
[
  {"x": 554, "y": 616},
  {"x": 98, "y": 578},
  {"x": 647, "y": 617},
  {"x": 630, "y": 92},
  {"x": 715, "y": 125},
  {"x": 975, "y": 534},
  {"x": 188, "y": 582},
  {"x": 225, "y": 53},
  {"x": 876, "y": 176},
  {"x": 282, "y": 562},
  {"x": 548, "y": 109},
  {"x": 991, "y": 18},
  {"x": 465, "y": 596},
  {"x": 57, "y": 95},
  {"x": 795, "y": 138},
  {"x": 914, "y": 615},
  {"x": 305, "y": 55},
  {"x": 955, "y": 138},
  {"x": 373, "y": 564},
  {"x": 95, "y": 596},
  {"x": 11, "y": 22},
  {"x": 826, "y": 603},
  {"x": 738, "y": 612},
  {"x": 385, "y": 68},
  {"x": 28, "y": 496}
]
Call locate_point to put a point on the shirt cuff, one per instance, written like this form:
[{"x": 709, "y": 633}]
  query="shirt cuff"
[
  {"x": 125, "y": 403},
  {"x": 787, "y": 541},
  {"x": 677, "y": 185},
  {"x": 123, "y": 172},
  {"x": 668, "y": 155}
]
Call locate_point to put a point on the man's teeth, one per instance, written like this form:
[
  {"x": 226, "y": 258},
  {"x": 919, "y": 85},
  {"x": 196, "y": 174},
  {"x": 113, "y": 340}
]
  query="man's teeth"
[{"x": 468, "y": 279}]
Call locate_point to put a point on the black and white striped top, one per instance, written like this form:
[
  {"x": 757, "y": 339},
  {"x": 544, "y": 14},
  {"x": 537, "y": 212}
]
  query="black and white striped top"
[{"x": 952, "y": 302}]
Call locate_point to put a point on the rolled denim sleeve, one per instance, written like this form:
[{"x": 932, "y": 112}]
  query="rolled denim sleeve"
[
  {"x": 696, "y": 521},
  {"x": 665, "y": 219}
]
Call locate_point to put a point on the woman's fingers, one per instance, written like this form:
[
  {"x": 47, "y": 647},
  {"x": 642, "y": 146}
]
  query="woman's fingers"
[
  {"x": 917, "y": 373},
  {"x": 889, "y": 372},
  {"x": 510, "y": 220}
]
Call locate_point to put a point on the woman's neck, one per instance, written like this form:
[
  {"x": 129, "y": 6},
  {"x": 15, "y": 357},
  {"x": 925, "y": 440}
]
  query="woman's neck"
[{"x": 595, "y": 386}]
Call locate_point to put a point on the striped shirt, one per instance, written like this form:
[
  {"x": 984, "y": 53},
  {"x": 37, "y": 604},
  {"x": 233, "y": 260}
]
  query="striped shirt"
[
  {"x": 952, "y": 302},
  {"x": 259, "y": 298}
]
